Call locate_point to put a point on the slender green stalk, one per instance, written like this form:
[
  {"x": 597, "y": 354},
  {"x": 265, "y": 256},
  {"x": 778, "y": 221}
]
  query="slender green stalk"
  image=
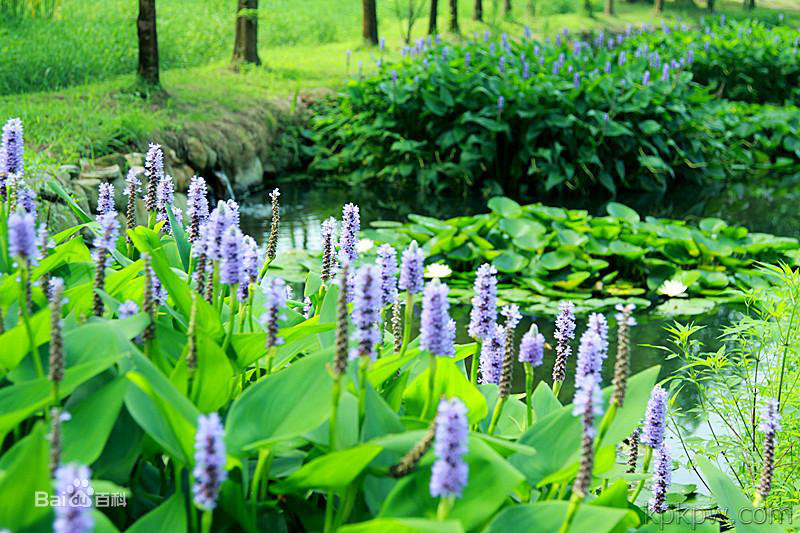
[
  {"x": 329, "y": 501},
  {"x": 574, "y": 504},
  {"x": 264, "y": 455},
  {"x": 605, "y": 424},
  {"x": 785, "y": 349},
  {"x": 231, "y": 320},
  {"x": 23, "y": 309},
  {"x": 270, "y": 357},
  {"x": 207, "y": 518},
  {"x": 431, "y": 387},
  {"x": 557, "y": 387},
  {"x": 648, "y": 456},
  {"x": 529, "y": 392},
  {"x": 498, "y": 410},
  {"x": 445, "y": 505},
  {"x": 476, "y": 361},
  {"x": 407, "y": 322},
  {"x": 363, "y": 367}
]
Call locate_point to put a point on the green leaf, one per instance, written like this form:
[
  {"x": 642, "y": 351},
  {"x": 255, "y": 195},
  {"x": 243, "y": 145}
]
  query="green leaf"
[
  {"x": 509, "y": 262},
  {"x": 85, "y": 434},
  {"x": 24, "y": 471},
  {"x": 547, "y": 517},
  {"x": 556, "y": 260},
  {"x": 180, "y": 239},
  {"x": 505, "y": 207},
  {"x": 168, "y": 517},
  {"x": 450, "y": 381},
  {"x": 403, "y": 525},
  {"x": 332, "y": 471},
  {"x": 734, "y": 503},
  {"x": 271, "y": 411},
  {"x": 624, "y": 212}
]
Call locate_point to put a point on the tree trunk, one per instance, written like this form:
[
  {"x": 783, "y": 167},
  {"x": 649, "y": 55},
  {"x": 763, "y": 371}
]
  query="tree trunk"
[
  {"x": 454, "y": 16},
  {"x": 507, "y": 9},
  {"x": 609, "y": 9},
  {"x": 432, "y": 29},
  {"x": 245, "y": 45},
  {"x": 478, "y": 13},
  {"x": 532, "y": 7},
  {"x": 710, "y": 6},
  {"x": 587, "y": 7},
  {"x": 750, "y": 4},
  {"x": 659, "y": 6},
  {"x": 370, "y": 24},
  {"x": 148, "y": 42}
]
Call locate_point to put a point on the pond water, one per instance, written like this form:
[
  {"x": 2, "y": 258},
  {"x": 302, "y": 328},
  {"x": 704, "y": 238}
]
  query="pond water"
[{"x": 304, "y": 205}]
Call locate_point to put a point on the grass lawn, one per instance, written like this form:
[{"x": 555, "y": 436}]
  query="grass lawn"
[{"x": 71, "y": 80}]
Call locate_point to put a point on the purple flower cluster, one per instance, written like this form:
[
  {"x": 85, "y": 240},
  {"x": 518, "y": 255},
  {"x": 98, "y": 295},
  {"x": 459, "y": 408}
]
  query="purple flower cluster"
[
  {"x": 412, "y": 269},
  {"x": 449, "y": 474},
  {"x": 387, "y": 263},
  {"x": 75, "y": 515},
  {"x": 492, "y": 353},
  {"x": 209, "y": 461},
  {"x": 127, "y": 309},
  {"x": 105, "y": 199},
  {"x": 588, "y": 400},
  {"x": 483, "y": 315},
  {"x": 274, "y": 301},
  {"x": 655, "y": 419},
  {"x": 351, "y": 225},
  {"x": 22, "y": 236},
  {"x": 662, "y": 479},
  {"x": 231, "y": 263},
  {"x": 252, "y": 259},
  {"x": 12, "y": 161},
  {"x": 26, "y": 199},
  {"x": 599, "y": 325},
  {"x": 531, "y": 347},
  {"x": 437, "y": 329},
  {"x": 165, "y": 196},
  {"x": 565, "y": 326},
  {"x": 366, "y": 311},
  {"x": 770, "y": 418},
  {"x": 106, "y": 239},
  {"x": 197, "y": 206}
]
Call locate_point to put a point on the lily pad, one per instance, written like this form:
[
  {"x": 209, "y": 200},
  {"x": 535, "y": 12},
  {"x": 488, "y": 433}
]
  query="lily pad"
[
  {"x": 556, "y": 260},
  {"x": 685, "y": 307}
]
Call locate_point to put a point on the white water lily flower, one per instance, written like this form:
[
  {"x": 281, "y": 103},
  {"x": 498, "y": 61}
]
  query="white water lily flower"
[
  {"x": 364, "y": 245},
  {"x": 437, "y": 270},
  {"x": 673, "y": 288}
]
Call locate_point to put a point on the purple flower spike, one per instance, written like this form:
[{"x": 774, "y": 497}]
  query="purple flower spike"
[
  {"x": 106, "y": 239},
  {"x": 75, "y": 515},
  {"x": 127, "y": 309},
  {"x": 26, "y": 199},
  {"x": 622, "y": 58},
  {"x": 502, "y": 65},
  {"x": 165, "y": 196},
  {"x": 492, "y": 353},
  {"x": 589, "y": 361},
  {"x": 662, "y": 479},
  {"x": 531, "y": 348},
  {"x": 22, "y": 236},
  {"x": 646, "y": 78},
  {"x": 500, "y": 103},
  {"x": 467, "y": 59},
  {"x": 105, "y": 199},
  {"x": 387, "y": 263},
  {"x": 351, "y": 225},
  {"x": 512, "y": 315},
  {"x": 230, "y": 266},
  {"x": 197, "y": 207},
  {"x": 599, "y": 325},
  {"x": 366, "y": 311},
  {"x": 153, "y": 172},
  {"x": 12, "y": 148},
  {"x": 770, "y": 417},
  {"x": 274, "y": 301},
  {"x": 665, "y": 73},
  {"x": 576, "y": 80},
  {"x": 564, "y": 334},
  {"x": 483, "y": 315},
  {"x": 437, "y": 329},
  {"x": 449, "y": 475},
  {"x": 588, "y": 399},
  {"x": 209, "y": 458},
  {"x": 655, "y": 419},
  {"x": 411, "y": 271},
  {"x": 218, "y": 221}
]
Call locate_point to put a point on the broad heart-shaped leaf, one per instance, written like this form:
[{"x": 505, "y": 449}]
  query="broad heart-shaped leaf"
[
  {"x": 547, "y": 517},
  {"x": 557, "y": 436},
  {"x": 332, "y": 471},
  {"x": 733, "y": 503},
  {"x": 15, "y": 340},
  {"x": 505, "y": 207},
  {"x": 160, "y": 410},
  {"x": 403, "y": 525},
  {"x": 213, "y": 379},
  {"x": 271, "y": 410},
  {"x": 623, "y": 211},
  {"x": 207, "y": 318},
  {"x": 544, "y": 401},
  {"x": 17, "y": 402},
  {"x": 450, "y": 382},
  {"x": 24, "y": 471},
  {"x": 85, "y": 434},
  {"x": 491, "y": 479},
  {"x": 169, "y": 517}
]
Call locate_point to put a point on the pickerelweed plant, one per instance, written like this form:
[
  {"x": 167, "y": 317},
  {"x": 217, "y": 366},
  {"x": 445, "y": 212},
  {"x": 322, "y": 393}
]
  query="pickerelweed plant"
[
  {"x": 192, "y": 382},
  {"x": 747, "y": 396},
  {"x": 578, "y": 114}
]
